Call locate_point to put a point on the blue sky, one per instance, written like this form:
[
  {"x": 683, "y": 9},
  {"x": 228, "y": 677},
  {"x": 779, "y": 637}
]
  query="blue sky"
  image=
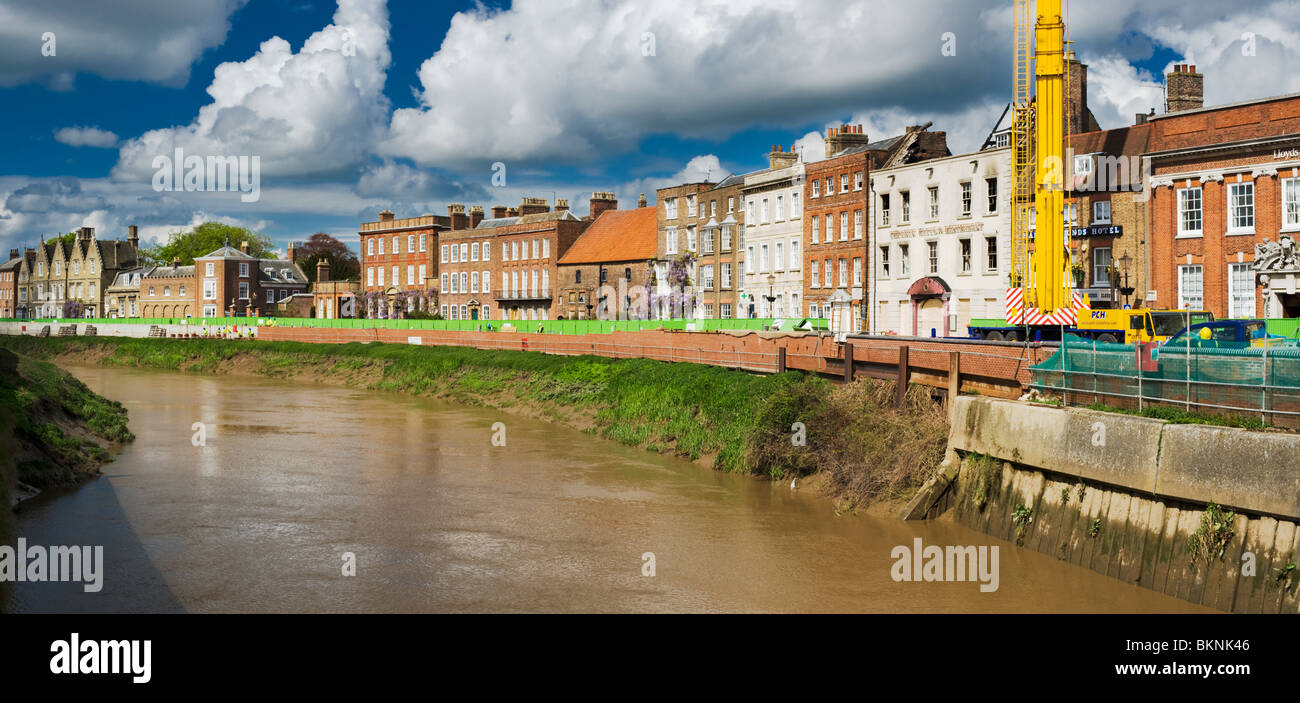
[{"x": 360, "y": 105}]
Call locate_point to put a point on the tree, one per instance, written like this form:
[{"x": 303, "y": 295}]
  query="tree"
[
  {"x": 203, "y": 240},
  {"x": 343, "y": 262}
]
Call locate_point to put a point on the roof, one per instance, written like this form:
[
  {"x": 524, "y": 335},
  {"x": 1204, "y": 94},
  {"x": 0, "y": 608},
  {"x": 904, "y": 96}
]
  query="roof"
[
  {"x": 123, "y": 278},
  {"x": 11, "y": 264},
  {"x": 1126, "y": 141},
  {"x": 280, "y": 271},
  {"x": 227, "y": 252},
  {"x": 170, "y": 272},
  {"x": 733, "y": 179},
  {"x": 1211, "y": 108},
  {"x": 617, "y": 235},
  {"x": 554, "y": 215}
]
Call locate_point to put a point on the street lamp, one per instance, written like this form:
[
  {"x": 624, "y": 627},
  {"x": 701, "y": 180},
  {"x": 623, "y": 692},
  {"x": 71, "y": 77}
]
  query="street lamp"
[
  {"x": 1126, "y": 290},
  {"x": 771, "y": 299}
]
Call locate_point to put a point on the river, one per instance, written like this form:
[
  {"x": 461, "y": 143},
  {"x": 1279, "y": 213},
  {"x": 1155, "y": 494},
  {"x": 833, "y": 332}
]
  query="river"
[{"x": 290, "y": 478}]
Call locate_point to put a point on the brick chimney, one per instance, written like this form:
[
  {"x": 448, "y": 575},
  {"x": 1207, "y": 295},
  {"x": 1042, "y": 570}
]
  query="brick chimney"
[
  {"x": 243, "y": 246},
  {"x": 641, "y": 202},
  {"x": 601, "y": 202},
  {"x": 512, "y": 212},
  {"x": 475, "y": 216},
  {"x": 458, "y": 219},
  {"x": 533, "y": 206},
  {"x": 561, "y": 204},
  {"x": 386, "y": 216},
  {"x": 1184, "y": 89},
  {"x": 499, "y": 211},
  {"x": 780, "y": 158},
  {"x": 13, "y": 254},
  {"x": 133, "y": 236},
  {"x": 843, "y": 137},
  {"x": 85, "y": 234},
  {"x": 322, "y": 270}
]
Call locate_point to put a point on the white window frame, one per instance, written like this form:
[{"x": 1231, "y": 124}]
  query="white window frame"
[
  {"x": 1238, "y": 192},
  {"x": 1101, "y": 212},
  {"x": 1247, "y": 309},
  {"x": 1290, "y": 215},
  {"x": 1180, "y": 209},
  {"x": 1182, "y": 288}
]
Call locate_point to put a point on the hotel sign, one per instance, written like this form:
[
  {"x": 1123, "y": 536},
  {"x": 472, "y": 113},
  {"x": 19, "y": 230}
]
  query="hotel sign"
[{"x": 1097, "y": 231}]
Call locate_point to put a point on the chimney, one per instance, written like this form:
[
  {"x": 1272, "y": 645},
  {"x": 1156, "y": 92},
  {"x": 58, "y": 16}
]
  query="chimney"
[
  {"x": 243, "y": 246},
  {"x": 561, "y": 204},
  {"x": 458, "y": 219},
  {"x": 85, "y": 234},
  {"x": 1080, "y": 118},
  {"x": 1184, "y": 89},
  {"x": 13, "y": 254},
  {"x": 176, "y": 261},
  {"x": 322, "y": 270},
  {"x": 780, "y": 158},
  {"x": 475, "y": 216},
  {"x": 386, "y": 216},
  {"x": 499, "y": 211},
  {"x": 601, "y": 202},
  {"x": 133, "y": 236},
  {"x": 512, "y": 212},
  {"x": 533, "y": 206},
  {"x": 291, "y": 252},
  {"x": 840, "y": 138},
  {"x": 640, "y": 202}
]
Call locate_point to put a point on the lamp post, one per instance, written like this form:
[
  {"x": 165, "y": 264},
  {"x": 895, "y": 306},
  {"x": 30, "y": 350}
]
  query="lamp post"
[
  {"x": 771, "y": 298},
  {"x": 1125, "y": 290}
]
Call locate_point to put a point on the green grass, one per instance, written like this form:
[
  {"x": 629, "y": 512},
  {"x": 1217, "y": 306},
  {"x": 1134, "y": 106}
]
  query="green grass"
[{"x": 1179, "y": 416}]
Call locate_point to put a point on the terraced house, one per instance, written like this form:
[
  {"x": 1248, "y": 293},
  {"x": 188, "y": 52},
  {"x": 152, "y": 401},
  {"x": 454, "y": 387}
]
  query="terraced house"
[
  {"x": 9, "y": 285},
  {"x": 704, "y": 223},
  {"x": 398, "y": 263},
  {"x": 773, "y": 278},
  {"x": 93, "y": 264},
  {"x": 604, "y": 274}
]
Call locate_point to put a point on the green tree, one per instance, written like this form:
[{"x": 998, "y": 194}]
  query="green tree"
[
  {"x": 343, "y": 262},
  {"x": 203, "y": 240}
]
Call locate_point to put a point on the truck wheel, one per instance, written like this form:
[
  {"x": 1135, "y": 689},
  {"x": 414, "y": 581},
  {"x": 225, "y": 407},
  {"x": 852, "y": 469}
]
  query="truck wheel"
[
  {"x": 993, "y": 336},
  {"x": 1107, "y": 338}
]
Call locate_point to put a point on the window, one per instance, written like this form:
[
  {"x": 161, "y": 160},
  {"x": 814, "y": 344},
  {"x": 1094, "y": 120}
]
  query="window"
[
  {"x": 826, "y": 281},
  {"x": 749, "y": 209},
  {"x": 844, "y": 226},
  {"x": 857, "y": 180},
  {"x": 1101, "y": 266},
  {"x": 410, "y": 274},
  {"x": 830, "y": 187},
  {"x": 485, "y": 278},
  {"x": 934, "y": 202},
  {"x": 424, "y": 243},
  {"x": 844, "y": 272},
  {"x": 884, "y": 261},
  {"x": 1241, "y": 290},
  {"x": 713, "y": 208},
  {"x": 397, "y": 278},
  {"x": 455, "y": 254},
  {"x": 464, "y": 252},
  {"x": 444, "y": 253},
  {"x": 546, "y": 248},
  {"x": 794, "y": 205},
  {"x": 763, "y": 259},
  {"x": 731, "y": 203},
  {"x": 1241, "y": 208},
  {"x": 424, "y": 273},
  {"x": 76, "y": 268},
  {"x": 857, "y": 224},
  {"x": 815, "y": 224},
  {"x": 514, "y": 251},
  {"x": 691, "y": 207},
  {"x": 167, "y": 291},
  {"x": 726, "y": 310},
  {"x": 670, "y": 240},
  {"x": 243, "y": 270},
  {"x": 210, "y": 290},
  {"x": 794, "y": 255},
  {"x": 243, "y": 290},
  {"x": 991, "y": 249},
  {"x": 763, "y": 214},
  {"x": 464, "y": 282},
  {"x": 707, "y": 275},
  {"x": 1291, "y": 202},
  {"x": 370, "y": 249},
  {"x": 505, "y": 251},
  {"x": 906, "y": 197},
  {"x": 726, "y": 275},
  {"x": 381, "y": 246},
  {"x": 1191, "y": 295},
  {"x": 813, "y": 267},
  {"x": 486, "y": 251},
  {"x": 965, "y": 198},
  {"x": 934, "y": 256},
  {"x": 857, "y": 270},
  {"x": 690, "y": 238},
  {"x": 473, "y": 252},
  {"x": 708, "y": 241},
  {"x": 903, "y": 262},
  {"x": 749, "y": 259},
  {"x": 1189, "y": 212},
  {"x": 670, "y": 208},
  {"x": 780, "y": 207},
  {"x": 844, "y": 182},
  {"x": 884, "y": 209},
  {"x": 410, "y": 243},
  {"x": 473, "y": 282},
  {"x": 1071, "y": 214},
  {"x": 991, "y": 187},
  {"x": 965, "y": 255},
  {"x": 778, "y": 264},
  {"x": 443, "y": 284},
  {"x": 1101, "y": 212},
  {"x": 395, "y": 240},
  {"x": 380, "y": 281}
]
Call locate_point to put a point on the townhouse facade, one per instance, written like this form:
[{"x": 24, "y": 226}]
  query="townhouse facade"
[
  {"x": 941, "y": 243},
  {"x": 169, "y": 291},
  {"x": 398, "y": 263},
  {"x": 773, "y": 259},
  {"x": 1225, "y": 203},
  {"x": 505, "y": 266},
  {"x": 333, "y": 299},
  {"x": 9, "y": 271},
  {"x": 605, "y": 275},
  {"x": 122, "y": 297}
]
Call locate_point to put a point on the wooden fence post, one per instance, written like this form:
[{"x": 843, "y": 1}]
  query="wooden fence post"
[
  {"x": 954, "y": 376},
  {"x": 780, "y": 359},
  {"x": 848, "y": 362},
  {"x": 902, "y": 375}
]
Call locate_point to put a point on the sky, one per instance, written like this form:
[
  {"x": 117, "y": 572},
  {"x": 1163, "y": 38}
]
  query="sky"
[{"x": 351, "y": 107}]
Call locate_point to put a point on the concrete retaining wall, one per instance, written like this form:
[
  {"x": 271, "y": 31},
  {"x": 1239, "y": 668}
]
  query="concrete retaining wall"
[{"x": 1123, "y": 495}]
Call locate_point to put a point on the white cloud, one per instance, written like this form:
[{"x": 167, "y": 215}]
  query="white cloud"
[
  {"x": 86, "y": 136},
  {"x": 310, "y": 113},
  {"x": 148, "y": 40}
]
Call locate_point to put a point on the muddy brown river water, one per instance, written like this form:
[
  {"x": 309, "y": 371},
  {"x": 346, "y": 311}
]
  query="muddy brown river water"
[{"x": 293, "y": 477}]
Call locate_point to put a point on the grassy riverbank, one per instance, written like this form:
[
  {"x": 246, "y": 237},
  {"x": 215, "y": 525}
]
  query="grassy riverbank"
[{"x": 729, "y": 420}]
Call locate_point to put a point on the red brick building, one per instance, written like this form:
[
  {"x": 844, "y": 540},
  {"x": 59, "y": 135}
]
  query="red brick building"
[
  {"x": 1225, "y": 203},
  {"x": 9, "y": 285},
  {"x": 399, "y": 267},
  {"x": 608, "y": 262}
]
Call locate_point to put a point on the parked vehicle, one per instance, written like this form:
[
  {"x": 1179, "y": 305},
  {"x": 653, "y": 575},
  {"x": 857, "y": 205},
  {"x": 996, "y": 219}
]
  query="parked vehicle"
[{"x": 1227, "y": 334}]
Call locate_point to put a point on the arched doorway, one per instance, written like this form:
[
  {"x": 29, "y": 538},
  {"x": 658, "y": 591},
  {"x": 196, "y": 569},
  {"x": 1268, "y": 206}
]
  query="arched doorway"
[{"x": 929, "y": 306}]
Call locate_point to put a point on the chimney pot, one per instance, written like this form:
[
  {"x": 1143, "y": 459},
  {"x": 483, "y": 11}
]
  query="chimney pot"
[
  {"x": 641, "y": 202},
  {"x": 386, "y": 216},
  {"x": 322, "y": 271},
  {"x": 499, "y": 211},
  {"x": 13, "y": 254},
  {"x": 243, "y": 246},
  {"x": 475, "y": 216}
]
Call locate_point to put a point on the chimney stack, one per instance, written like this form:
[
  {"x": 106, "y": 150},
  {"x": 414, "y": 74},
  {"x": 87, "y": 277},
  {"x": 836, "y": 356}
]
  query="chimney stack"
[
  {"x": 601, "y": 202},
  {"x": 1184, "y": 89},
  {"x": 386, "y": 216},
  {"x": 243, "y": 246},
  {"x": 13, "y": 254},
  {"x": 499, "y": 211},
  {"x": 640, "y": 202},
  {"x": 322, "y": 270},
  {"x": 133, "y": 236},
  {"x": 844, "y": 137},
  {"x": 475, "y": 216},
  {"x": 533, "y": 206},
  {"x": 512, "y": 212},
  {"x": 780, "y": 158},
  {"x": 561, "y": 204},
  {"x": 85, "y": 234},
  {"x": 458, "y": 219}
]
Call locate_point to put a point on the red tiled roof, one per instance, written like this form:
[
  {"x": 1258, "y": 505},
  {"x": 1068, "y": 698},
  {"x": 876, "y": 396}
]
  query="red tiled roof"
[{"x": 617, "y": 235}]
